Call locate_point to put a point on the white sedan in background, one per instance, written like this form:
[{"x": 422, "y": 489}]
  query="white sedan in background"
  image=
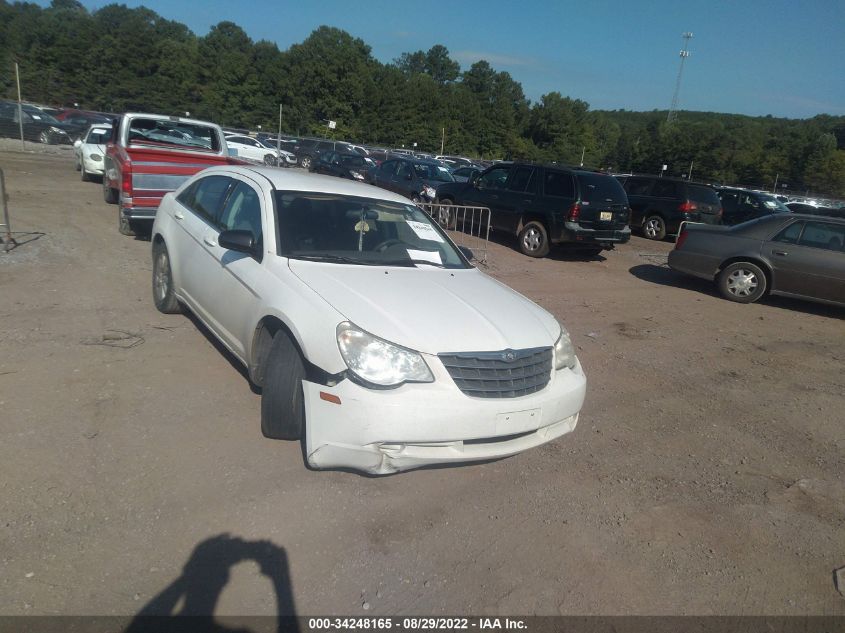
[
  {"x": 374, "y": 340},
  {"x": 90, "y": 150},
  {"x": 254, "y": 150}
]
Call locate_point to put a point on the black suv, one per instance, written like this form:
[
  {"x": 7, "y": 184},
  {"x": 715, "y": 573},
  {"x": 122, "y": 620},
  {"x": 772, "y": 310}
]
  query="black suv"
[
  {"x": 741, "y": 205},
  {"x": 308, "y": 150},
  {"x": 352, "y": 166},
  {"x": 659, "y": 205},
  {"x": 547, "y": 204}
]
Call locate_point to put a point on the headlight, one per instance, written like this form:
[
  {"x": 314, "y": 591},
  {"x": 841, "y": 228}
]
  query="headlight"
[
  {"x": 96, "y": 158},
  {"x": 356, "y": 175},
  {"x": 564, "y": 352},
  {"x": 377, "y": 363},
  {"x": 430, "y": 192}
]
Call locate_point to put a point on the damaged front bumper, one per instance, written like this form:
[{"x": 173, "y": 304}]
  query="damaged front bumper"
[{"x": 387, "y": 431}]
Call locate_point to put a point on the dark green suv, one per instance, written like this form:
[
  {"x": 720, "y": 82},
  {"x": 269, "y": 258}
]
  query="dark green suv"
[{"x": 547, "y": 204}]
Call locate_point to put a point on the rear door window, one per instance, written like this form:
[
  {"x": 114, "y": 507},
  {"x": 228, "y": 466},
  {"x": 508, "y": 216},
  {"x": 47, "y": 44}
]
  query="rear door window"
[
  {"x": 638, "y": 186},
  {"x": 665, "y": 189},
  {"x": 522, "y": 180},
  {"x": 558, "y": 184},
  {"x": 601, "y": 188},
  {"x": 206, "y": 196},
  {"x": 697, "y": 193}
]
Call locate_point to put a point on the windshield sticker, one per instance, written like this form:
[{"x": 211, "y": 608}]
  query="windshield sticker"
[
  {"x": 424, "y": 231},
  {"x": 426, "y": 256}
]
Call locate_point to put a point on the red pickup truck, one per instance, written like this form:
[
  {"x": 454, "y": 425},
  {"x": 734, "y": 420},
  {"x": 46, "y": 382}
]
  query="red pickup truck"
[{"x": 149, "y": 155}]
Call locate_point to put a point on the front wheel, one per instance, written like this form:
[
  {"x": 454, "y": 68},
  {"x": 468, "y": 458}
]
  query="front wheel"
[
  {"x": 282, "y": 400},
  {"x": 742, "y": 282},
  {"x": 305, "y": 162},
  {"x": 654, "y": 227},
  {"x": 164, "y": 295},
  {"x": 84, "y": 175},
  {"x": 534, "y": 239},
  {"x": 44, "y": 137},
  {"x": 270, "y": 160}
]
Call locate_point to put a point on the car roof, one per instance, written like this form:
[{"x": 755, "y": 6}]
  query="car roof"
[{"x": 299, "y": 180}]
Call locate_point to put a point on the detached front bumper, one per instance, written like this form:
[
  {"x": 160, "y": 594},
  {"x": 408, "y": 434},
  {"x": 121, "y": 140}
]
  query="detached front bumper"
[{"x": 382, "y": 432}]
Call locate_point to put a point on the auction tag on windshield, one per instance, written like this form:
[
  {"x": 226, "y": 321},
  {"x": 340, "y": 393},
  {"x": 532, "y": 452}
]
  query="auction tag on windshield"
[
  {"x": 425, "y": 256},
  {"x": 424, "y": 231}
]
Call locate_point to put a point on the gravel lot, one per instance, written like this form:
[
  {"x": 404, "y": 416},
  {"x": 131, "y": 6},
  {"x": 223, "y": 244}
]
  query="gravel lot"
[{"x": 705, "y": 476}]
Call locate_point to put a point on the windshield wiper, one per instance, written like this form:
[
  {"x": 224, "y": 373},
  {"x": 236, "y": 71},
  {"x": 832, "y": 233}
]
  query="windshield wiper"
[
  {"x": 404, "y": 262},
  {"x": 327, "y": 257}
]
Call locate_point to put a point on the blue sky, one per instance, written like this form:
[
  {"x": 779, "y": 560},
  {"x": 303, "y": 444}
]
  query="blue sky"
[{"x": 754, "y": 57}]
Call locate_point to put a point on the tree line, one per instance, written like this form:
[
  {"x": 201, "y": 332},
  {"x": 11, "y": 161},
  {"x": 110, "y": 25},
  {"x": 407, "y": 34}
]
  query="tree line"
[{"x": 118, "y": 59}]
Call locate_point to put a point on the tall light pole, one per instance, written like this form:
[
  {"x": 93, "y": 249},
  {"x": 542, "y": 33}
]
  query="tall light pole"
[{"x": 673, "y": 110}]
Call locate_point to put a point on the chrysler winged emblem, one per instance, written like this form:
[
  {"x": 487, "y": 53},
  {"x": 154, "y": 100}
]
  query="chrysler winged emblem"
[{"x": 508, "y": 356}]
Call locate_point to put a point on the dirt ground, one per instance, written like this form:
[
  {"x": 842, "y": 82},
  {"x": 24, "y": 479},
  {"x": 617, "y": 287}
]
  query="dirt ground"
[{"x": 706, "y": 475}]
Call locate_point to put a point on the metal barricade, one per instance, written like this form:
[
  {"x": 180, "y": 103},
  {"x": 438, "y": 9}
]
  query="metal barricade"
[
  {"x": 467, "y": 226},
  {"x": 7, "y": 238}
]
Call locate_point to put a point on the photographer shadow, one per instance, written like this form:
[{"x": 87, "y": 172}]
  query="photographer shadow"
[{"x": 196, "y": 592}]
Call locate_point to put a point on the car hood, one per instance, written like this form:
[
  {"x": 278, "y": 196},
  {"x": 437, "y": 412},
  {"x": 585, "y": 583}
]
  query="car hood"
[{"x": 431, "y": 310}]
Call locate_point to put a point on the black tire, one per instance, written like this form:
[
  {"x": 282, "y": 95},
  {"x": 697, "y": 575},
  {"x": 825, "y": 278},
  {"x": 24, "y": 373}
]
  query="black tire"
[
  {"x": 742, "y": 282},
  {"x": 84, "y": 175},
  {"x": 305, "y": 162},
  {"x": 164, "y": 295},
  {"x": 534, "y": 239},
  {"x": 269, "y": 160},
  {"x": 109, "y": 194},
  {"x": 124, "y": 226},
  {"x": 654, "y": 227},
  {"x": 282, "y": 400}
]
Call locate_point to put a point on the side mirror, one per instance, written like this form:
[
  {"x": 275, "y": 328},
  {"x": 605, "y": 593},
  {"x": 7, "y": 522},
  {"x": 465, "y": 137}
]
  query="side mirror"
[
  {"x": 77, "y": 143},
  {"x": 466, "y": 253},
  {"x": 240, "y": 241}
]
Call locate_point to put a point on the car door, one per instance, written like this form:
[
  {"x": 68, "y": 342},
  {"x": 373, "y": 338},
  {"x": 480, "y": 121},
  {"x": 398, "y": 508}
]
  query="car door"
[
  {"x": 195, "y": 216},
  {"x": 638, "y": 190},
  {"x": 517, "y": 198},
  {"x": 230, "y": 300},
  {"x": 383, "y": 175},
  {"x": 487, "y": 191},
  {"x": 808, "y": 259},
  {"x": 403, "y": 180}
]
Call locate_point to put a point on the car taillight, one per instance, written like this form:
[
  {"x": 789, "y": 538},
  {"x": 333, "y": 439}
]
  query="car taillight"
[
  {"x": 681, "y": 239},
  {"x": 688, "y": 207},
  {"x": 574, "y": 212},
  {"x": 126, "y": 185}
]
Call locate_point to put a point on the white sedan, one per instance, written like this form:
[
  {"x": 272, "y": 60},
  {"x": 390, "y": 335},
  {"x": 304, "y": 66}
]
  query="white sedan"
[
  {"x": 254, "y": 150},
  {"x": 90, "y": 150},
  {"x": 374, "y": 340}
]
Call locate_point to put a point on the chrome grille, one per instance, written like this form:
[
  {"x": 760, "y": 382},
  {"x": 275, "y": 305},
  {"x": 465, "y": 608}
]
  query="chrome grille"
[{"x": 505, "y": 374}]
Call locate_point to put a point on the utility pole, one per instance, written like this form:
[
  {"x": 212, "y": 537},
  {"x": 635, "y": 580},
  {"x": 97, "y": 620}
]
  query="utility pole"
[
  {"x": 689, "y": 175},
  {"x": 443, "y": 141},
  {"x": 20, "y": 107},
  {"x": 673, "y": 110},
  {"x": 583, "y": 149},
  {"x": 775, "y": 188},
  {"x": 279, "y": 140}
]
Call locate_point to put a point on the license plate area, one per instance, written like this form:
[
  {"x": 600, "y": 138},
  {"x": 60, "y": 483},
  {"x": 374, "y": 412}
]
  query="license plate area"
[
  {"x": 517, "y": 421},
  {"x": 606, "y": 216}
]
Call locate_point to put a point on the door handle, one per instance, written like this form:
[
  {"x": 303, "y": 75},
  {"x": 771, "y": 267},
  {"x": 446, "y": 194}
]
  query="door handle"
[
  {"x": 179, "y": 215},
  {"x": 781, "y": 253},
  {"x": 210, "y": 241}
]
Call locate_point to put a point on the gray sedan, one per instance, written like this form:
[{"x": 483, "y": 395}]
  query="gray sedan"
[{"x": 795, "y": 255}]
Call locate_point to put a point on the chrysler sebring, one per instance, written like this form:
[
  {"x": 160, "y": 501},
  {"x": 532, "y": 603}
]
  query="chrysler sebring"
[{"x": 372, "y": 337}]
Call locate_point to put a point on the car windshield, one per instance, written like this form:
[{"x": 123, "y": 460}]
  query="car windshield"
[
  {"x": 436, "y": 173},
  {"x": 40, "y": 115},
  {"x": 172, "y": 133},
  {"x": 98, "y": 136},
  {"x": 362, "y": 231},
  {"x": 772, "y": 204}
]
